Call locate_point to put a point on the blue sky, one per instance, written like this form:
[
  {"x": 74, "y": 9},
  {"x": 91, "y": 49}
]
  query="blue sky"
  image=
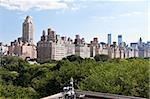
[{"x": 88, "y": 18}]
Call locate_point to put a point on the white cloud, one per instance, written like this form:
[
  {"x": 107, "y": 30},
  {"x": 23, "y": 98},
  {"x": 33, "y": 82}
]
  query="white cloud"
[
  {"x": 127, "y": 0},
  {"x": 130, "y": 14},
  {"x": 25, "y": 5},
  {"x": 105, "y": 18},
  {"x": 116, "y": 0}
]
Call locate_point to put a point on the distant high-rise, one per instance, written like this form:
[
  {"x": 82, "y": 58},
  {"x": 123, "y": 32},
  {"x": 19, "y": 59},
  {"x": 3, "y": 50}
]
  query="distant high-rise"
[
  {"x": 27, "y": 30},
  {"x": 109, "y": 39},
  {"x": 119, "y": 39},
  {"x": 23, "y": 46},
  {"x": 140, "y": 41},
  {"x": 77, "y": 40}
]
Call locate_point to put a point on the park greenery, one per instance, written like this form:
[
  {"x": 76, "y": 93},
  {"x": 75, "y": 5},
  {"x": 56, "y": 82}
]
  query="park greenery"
[{"x": 21, "y": 80}]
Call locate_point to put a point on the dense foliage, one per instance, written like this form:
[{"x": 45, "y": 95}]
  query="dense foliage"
[
  {"x": 19, "y": 79},
  {"x": 101, "y": 57}
]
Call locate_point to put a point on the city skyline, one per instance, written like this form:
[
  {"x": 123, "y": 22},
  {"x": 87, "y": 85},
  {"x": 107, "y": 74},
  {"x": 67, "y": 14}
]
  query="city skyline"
[
  {"x": 52, "y": 46},
  {"x": 68, "y": 18}
]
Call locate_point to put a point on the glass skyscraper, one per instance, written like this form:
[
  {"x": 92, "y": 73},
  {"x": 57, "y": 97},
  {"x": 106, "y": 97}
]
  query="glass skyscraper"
[
  {"x": 109, "y": 39},
  {"x": 119, "y": 39}
]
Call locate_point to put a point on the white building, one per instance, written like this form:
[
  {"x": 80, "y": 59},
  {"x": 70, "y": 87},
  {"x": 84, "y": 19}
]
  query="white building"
[{"x": 3, "y": 49}]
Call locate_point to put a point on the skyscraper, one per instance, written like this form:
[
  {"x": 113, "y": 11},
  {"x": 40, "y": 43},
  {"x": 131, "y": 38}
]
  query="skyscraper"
[
  {"x": 140, "y": 42},
  {"x": 119, "y": 39},
  {"x": 109, "y": 39},
  {"x": 23, "y": 46},
  {"x": 27, "y": 30}
]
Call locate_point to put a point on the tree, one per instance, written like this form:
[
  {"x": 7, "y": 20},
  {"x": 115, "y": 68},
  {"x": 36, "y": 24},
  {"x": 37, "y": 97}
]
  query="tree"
[
  {"x": 72, "y": 58},
  {"x": 18, "y": 79},
  {"x": 101, "y": 57},
  {"x": 126, "y": 78},
  {"x": 17, "y": 92}
]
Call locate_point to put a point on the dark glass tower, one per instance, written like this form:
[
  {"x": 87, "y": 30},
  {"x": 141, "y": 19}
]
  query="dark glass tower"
[
  {"x": 109, "y": 39},
  {"x": 119, "y": 39}
]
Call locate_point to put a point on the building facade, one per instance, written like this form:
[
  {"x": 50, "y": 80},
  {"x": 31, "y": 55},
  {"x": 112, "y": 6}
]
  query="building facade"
[
  {"x": 3, "y": 49},
  {"x": 81, "y": 47},
  {"x": 119, "y": 40},
  {"x": 23, "y": 46},
  {"x": 54, "y": 47},
  {"x": 27, "y": 30}
]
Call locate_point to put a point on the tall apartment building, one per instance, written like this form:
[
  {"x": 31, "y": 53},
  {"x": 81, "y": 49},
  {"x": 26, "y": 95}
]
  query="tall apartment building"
[
  {"x": 81, "y": 48},
  {"x": 22, "y": 50},
  {"x": 23, "y": 46},
  {"x": 27, "y": 30},
  {"x": 94, "y": 47},
  {"x": 104, "y": 49},
  {"x": 147, "y": 49},
  {"x": 54, "y": 47}
]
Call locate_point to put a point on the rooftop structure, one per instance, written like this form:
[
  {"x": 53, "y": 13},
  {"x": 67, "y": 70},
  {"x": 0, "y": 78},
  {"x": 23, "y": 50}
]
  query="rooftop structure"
[{"x": 71, "y": 93}]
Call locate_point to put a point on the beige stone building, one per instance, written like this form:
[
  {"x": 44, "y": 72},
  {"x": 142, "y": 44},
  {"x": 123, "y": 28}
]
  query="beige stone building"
[
  {"x": 115, "y": 51},
  {"x": 94, "y": 47},
  {"x": 27, "y": 30},
  {"x": 23, "y": 46},
  {"x": 54, "y": 47},
  {"x": 60, "y": 47},
  {"x": 82, "y": 51},
  {"x": 81, "y": 48},
  {"x": 22, "y": 50}
]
